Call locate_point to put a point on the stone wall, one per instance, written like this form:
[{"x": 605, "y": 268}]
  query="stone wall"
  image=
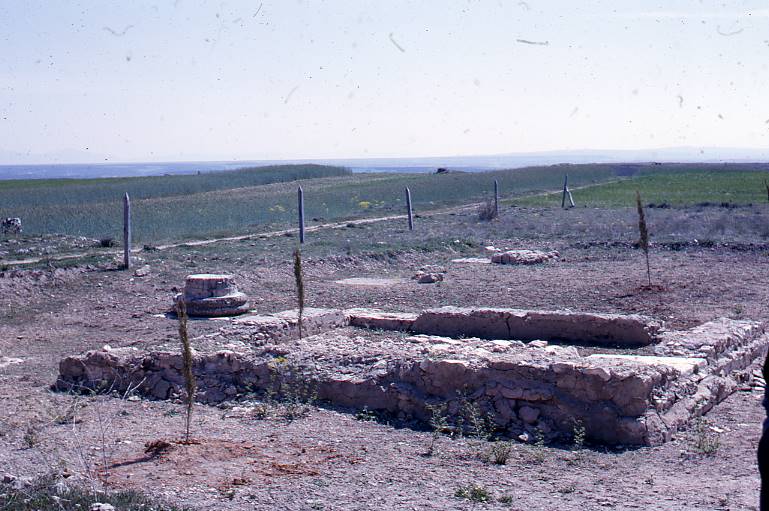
[{"x": 621, "y": 399}]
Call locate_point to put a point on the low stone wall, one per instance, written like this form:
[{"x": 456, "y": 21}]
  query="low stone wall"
[
  {"x": 494, "y": 323},
  {"x": 620, "y": 399}
]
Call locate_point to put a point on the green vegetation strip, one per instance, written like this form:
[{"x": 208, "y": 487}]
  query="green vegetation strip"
[{"x": 687, "y": 188}]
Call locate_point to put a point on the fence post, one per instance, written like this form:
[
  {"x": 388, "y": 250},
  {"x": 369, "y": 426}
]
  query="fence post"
[
  {"x": 409, "y": 210},
  {"x": 565, "y": 189},
  {"x": 300, "y": 198},
  {"x": 126, "y": 232},
  {"x": 496, "y": 198}
]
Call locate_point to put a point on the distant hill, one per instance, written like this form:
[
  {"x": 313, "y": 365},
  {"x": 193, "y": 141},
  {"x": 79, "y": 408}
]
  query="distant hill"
[{"x": 407, "y": 164}]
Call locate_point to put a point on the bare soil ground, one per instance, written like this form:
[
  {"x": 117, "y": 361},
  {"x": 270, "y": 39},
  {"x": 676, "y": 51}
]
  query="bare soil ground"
[{"x": 336, "y": 459}]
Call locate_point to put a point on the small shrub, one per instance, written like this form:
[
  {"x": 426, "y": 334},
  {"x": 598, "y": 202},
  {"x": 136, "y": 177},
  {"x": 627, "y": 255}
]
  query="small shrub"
[
  {"x": 499, "y": 453},
  {"x": 50, "y": 492},
  {"x": 365, "y": 415},
  {"x": 107, "y": 242},
  {"x": 31, "y": 437},
  {"x": 539, "y": 446},
  {"x": 706, "y": 441},
  {"x": 439, "y": 423},
  {"x": 578, "y": 435},
  {"x": 291, "y": 390},
  {"x": 487, "y": 211},
  {"x": 473, "y": 492}
]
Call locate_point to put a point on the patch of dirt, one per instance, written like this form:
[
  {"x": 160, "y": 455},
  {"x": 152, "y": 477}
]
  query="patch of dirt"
[{"x": 328, "y": 459}]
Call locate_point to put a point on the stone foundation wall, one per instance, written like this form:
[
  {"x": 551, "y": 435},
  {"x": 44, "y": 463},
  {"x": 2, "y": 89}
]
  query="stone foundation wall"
[{"x": 620, "y": 399}]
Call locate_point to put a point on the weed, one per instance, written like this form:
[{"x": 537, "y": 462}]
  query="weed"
[
  {"x": 474, "y": 493},
  {"x": 478, "y": 422},
  {"x": 51, "y": 492},
  {"x": 31, "y": 436},
  {"x": 567, "y": 489},
  {"x": 706, "y": 441},
  {"x": 499, "y": 452},
  {"x": 505, "y": 499},
  {"x": 439, "y": 423},
  {"x": 578, "y": 435},
  {"x": 291, "y": 390},
  {"x": 365, "y": 415},
  {"x": 739, "y": 310},
  {"x": 539, "y": 446}
]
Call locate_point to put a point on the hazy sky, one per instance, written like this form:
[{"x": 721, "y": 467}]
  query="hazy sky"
[{"x": 191, "y": 80}]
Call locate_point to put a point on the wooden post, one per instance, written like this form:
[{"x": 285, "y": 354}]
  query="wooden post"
[
  {"x": 565, "y": 188},
  {"x": 301, "y": 214},
  {"x": 496, "y": 198},
  {"x": 126, "y": 232},
  {"x": 409, "y": 210}
]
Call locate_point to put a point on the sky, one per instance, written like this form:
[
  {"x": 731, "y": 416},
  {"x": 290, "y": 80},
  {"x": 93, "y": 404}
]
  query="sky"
[{"x": 176, "y": 80}]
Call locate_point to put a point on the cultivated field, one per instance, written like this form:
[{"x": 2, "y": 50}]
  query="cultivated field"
[{"x": 261, "y": 451}]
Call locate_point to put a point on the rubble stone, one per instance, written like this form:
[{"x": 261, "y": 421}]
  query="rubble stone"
[{"x": 524, "y": 256}]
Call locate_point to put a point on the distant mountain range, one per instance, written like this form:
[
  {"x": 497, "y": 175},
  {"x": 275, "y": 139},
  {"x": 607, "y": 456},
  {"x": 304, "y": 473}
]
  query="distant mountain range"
[{"x": 420, "y": 164}]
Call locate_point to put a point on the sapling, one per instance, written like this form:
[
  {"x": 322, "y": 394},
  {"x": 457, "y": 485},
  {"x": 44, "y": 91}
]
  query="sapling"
[
  {"x": 299, "y": 278},
  {"x": 189, "y": 377},
  {"x": 643, "y": 231}
]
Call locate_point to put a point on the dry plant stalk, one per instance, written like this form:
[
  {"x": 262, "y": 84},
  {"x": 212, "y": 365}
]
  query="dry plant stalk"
[
  {"x": 643, "y": 230},
  {"x": 299, "y": 278},
  {"x": 189, "y": 378}
]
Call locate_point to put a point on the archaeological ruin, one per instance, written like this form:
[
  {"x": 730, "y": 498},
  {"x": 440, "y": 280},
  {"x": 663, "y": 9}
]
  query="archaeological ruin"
[{"x": 624, "y": 378}]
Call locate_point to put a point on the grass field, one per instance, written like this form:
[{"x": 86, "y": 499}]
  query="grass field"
[
  {"x": 183, "y": 207},
  {"x": 176, "y": 208},
  {"x": 683, "y": 187}
]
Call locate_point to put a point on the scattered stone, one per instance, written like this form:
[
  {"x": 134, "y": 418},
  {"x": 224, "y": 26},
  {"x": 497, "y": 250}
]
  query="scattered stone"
[
  {"x": 428, "y": 278},
  {"x": 524, "y": 257},
  {"x": 429, "y": 274},
  {"x": 142, "y": 271},
  {"x": 370, "y": 281},
  {"x": 211, "y": 295},
  {"x": 472, "y": 260}
]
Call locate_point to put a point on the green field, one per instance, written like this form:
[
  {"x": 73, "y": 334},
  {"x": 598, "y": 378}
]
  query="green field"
[
  {"x": 177, "y": 208},
  {"x": 682, "y": 187},
  {"x": 173, "y": 208}
]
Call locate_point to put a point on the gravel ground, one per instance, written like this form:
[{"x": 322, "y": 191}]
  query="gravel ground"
[{"x": 329, "y": 458}]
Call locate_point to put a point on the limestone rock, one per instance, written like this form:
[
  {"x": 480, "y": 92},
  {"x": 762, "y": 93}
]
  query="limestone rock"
[
  {"x": 523, "y": 256},
  {"x": 211, "y": 295}
]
